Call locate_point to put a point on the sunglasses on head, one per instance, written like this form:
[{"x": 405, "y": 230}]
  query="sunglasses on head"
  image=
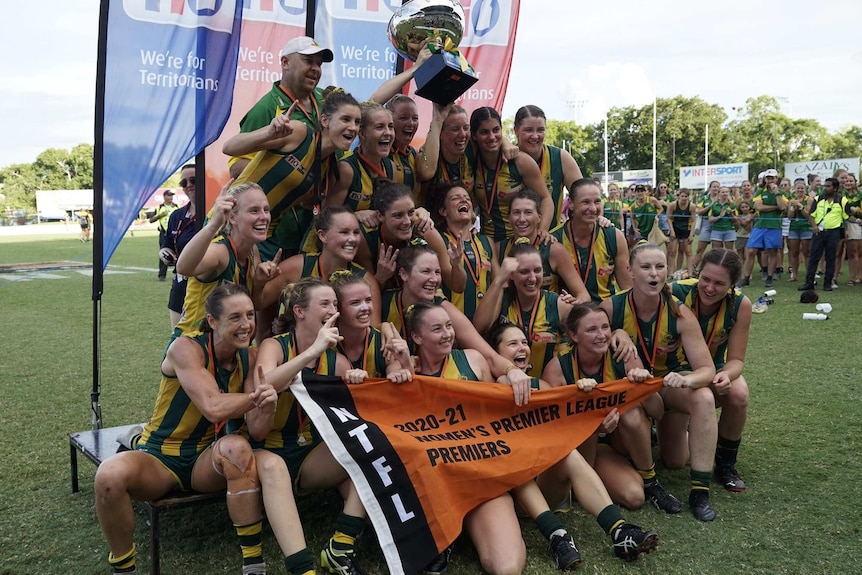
[{"x": 187, "y": 182}]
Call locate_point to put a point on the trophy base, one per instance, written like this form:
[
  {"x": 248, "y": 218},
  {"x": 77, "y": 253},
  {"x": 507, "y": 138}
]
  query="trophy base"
[{"x": 441, "y": 80}]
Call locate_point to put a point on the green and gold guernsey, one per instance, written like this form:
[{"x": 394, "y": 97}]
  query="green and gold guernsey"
[
  {"x": 197, "y": 291},
  {"x": 495, "y": 186},
  {"x": 611, "y": 370},
  {"x": 644, "y": 215},
  {"x": 550, "y": 280},
  {"x": 456, "y": 366},
  {"x": 715, "y": 327},
  {"x": 768, "y": 220},
  {"x": 460, "y": 172},
  {"x": 542, "y": 326},
  {"x": 551, "y": 166},
  {"x": 657, "y": 340},
  {"x": 292, "y": 426},
  {"x": 723, "y": 223},
  {"x": 365, "y": 174},
  {"x": 476, "y": 260},
  {"x": 177, "y": 427},
  {"x": 276, "y": 102},
  {"x": 285, "y": 177},
  {"x": 312, "y": 267},
  {"x": 596, "y": 262},
  {"x": 394, "y": 308},
  {"x": 372, "y": 360},
  {"x": 404, "y": 168}
]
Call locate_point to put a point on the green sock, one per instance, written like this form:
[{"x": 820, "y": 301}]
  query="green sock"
[
  {"x": 548, "y": 523},
  {"x": 300, "y": 562},
  {"x": 124, "y": 563},
  {"x": 250, "y": 537},
  {"x": 700, "y": 480},
  {"x": 610, "y": 518},
  {"x": 726, "y": 450}
]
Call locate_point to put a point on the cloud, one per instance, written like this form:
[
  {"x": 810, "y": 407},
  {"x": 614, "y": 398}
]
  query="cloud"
[{"x": 605, "y": 86}]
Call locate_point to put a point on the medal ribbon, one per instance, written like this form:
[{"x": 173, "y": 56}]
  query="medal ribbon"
[{"x": 641, "y": 340}]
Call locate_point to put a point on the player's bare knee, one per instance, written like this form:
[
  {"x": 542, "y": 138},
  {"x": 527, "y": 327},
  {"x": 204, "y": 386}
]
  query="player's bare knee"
[
  {"x": 111, "y": 479},
  {"x": 632, "y": 497},
  {"x": 270, "y": 465},
  {"x": 234, "y": 459}
]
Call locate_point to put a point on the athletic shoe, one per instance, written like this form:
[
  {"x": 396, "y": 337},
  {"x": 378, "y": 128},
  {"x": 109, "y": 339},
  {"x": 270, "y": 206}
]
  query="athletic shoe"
[
  {"x": 565, "y": 552},
  {"x": 744, "y": 282},
  {"x": 729, "y": 478},
  {"x": 817, "y": 275},
  {"x": 834, "y": 284},
  {"x": 440, "y": 563},
  {"x": 805, "y": 287},
  {"x": 339, "y": 563},
  {"x": 768, "y": 283},
  {"x": 661, "y": 497},
  {"x": 630, "y": 541},
  {"x": 828, "y": 287},
  {"x": 698, "y": 500},
  {"x": 763, "y": 275},
  {"x": 778, "y": 272}
]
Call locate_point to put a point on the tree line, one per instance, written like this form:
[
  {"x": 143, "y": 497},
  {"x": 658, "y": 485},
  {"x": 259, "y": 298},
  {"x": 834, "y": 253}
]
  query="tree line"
[{"x": 760, "y": 134}]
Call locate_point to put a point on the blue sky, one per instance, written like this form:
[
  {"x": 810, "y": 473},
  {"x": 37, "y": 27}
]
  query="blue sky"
[{"x": 573, "y": 60}]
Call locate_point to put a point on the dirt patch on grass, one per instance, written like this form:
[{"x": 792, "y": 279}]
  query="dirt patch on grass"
[{"x": 44, "y": 266}]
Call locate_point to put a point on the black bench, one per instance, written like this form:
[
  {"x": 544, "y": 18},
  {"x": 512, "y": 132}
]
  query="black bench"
[{"x": 98, "y": 445}]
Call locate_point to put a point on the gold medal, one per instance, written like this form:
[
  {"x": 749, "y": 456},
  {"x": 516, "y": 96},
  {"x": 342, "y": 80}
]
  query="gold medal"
[
  {"x": 479, "y": 295},
  {"x": 301, "y": 440}
]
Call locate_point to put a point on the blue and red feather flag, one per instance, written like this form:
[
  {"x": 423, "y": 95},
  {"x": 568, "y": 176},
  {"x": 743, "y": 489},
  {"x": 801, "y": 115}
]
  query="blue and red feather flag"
[{"x": 168, "y": 68}]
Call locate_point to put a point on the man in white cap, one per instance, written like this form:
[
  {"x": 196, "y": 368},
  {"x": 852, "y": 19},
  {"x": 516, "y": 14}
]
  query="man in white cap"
[{"x": 302, "y": 60}]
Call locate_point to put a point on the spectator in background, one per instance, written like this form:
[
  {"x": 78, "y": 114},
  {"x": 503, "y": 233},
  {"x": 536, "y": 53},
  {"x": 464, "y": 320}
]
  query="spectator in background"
[
  {"x": 854, "y": 230},
  {"x": 162, "y": 214},
  {"x": 181, "y": 228},
  {"x": 828, "y": 215},
  {"x": 84, "y": 219},
  {"x": 799, "y": 233},
  {"x": 766, "y": 235},
  {"x": 681, "y": 215}
]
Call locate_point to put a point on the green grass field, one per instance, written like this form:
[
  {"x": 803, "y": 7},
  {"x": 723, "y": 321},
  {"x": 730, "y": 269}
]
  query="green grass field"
[{"x": 800, "y": 452}]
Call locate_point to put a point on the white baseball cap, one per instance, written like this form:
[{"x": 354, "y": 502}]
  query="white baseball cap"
[
  {"x": 307, "y": 46},
  {"x": 771, "y": 172}
]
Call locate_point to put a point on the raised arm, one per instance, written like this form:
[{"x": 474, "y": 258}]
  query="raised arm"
[
  {"x": 201, "y": 258},
  {"x": 281, "y": 132},
  {"x": 489, "y": 307},
  {"x": 429, "y": 154},
  {"x": 532, "y": 178}
]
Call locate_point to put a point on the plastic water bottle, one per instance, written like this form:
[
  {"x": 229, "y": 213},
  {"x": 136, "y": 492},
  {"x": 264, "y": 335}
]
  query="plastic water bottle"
[
  {"x": 824, "y": 307},
  {"x": 770, "y": 293},
  {"x": 815, "y": 316}
]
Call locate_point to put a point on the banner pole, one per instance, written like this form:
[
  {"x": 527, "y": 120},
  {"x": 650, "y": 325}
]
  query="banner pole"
[{"x": 98, "y": 214}]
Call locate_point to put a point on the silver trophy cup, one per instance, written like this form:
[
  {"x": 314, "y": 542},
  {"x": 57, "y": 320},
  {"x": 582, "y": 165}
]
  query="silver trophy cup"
[{"x": 442, "y": 78}]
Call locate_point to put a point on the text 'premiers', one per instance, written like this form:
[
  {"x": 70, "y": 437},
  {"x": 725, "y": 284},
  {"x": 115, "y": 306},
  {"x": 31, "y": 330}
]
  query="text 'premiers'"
[
  {"x": 168, "y": 70},
  {"x": 476, "y": 450}
]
